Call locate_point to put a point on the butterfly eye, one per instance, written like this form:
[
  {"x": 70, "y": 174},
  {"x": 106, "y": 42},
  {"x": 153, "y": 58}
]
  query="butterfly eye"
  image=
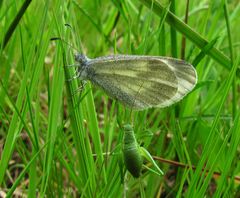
[{"x": 131, "y": 153}]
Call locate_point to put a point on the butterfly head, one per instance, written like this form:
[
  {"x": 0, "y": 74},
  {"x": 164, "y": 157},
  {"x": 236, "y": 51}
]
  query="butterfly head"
[{"x": 81, "y": 59}]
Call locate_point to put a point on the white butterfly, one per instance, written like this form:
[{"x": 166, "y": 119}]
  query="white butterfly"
[{"x": 139, "y": 82}]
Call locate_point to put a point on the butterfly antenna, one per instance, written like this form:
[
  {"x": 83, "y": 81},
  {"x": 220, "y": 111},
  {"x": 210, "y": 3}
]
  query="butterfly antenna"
[
  {"x": 74, "y": 35},
  {"x": 65, "y": 42}
]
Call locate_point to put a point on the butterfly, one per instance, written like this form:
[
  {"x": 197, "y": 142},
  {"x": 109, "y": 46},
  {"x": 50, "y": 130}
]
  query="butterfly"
[{"x": 139, "y": 82}]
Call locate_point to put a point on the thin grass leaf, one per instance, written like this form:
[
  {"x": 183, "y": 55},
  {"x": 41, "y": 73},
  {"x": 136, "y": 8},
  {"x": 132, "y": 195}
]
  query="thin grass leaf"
[{"x": 187, "y": 31}]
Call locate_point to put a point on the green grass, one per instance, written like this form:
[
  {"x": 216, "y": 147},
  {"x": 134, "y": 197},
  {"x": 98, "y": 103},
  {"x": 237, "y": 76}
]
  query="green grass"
[{"x": 55, "y": 141}]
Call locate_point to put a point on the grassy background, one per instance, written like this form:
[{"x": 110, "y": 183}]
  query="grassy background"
[{"x": 56, "y": 142}]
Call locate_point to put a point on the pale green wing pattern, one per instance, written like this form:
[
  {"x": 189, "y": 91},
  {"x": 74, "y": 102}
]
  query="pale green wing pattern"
[{"x": 142, "y": 82}]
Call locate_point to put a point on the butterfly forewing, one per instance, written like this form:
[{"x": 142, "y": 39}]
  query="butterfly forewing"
[
  {"x": 142, "y": 81},
  {"x": 186, "y": 77}
]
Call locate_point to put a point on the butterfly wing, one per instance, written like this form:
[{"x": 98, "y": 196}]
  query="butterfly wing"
[{"x": 142, "y": 82}]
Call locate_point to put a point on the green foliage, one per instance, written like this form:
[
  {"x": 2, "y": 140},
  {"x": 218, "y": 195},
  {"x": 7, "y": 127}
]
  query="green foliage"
[{"x": 59, "y": 142}]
